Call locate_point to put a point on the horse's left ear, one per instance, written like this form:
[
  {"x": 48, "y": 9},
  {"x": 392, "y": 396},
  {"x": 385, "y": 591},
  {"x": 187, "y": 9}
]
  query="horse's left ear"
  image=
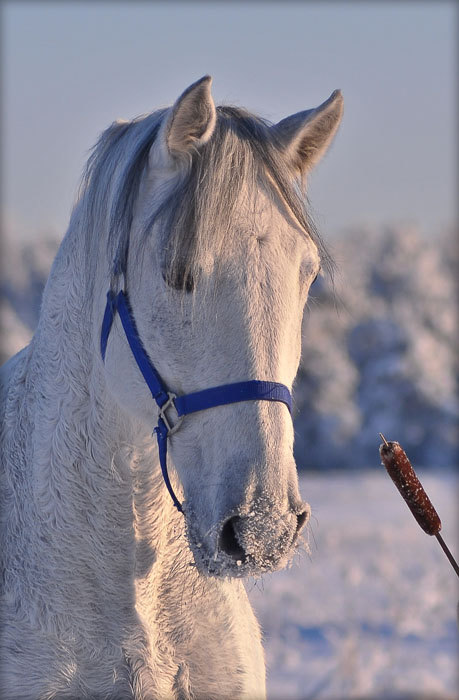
[
  {"x": 192, "y": 119},
  {"x": 304, "y": 137}
]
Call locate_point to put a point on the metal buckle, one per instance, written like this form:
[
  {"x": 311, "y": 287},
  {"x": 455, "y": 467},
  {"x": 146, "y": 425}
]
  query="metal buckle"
[{"x": 171, "y": 429}]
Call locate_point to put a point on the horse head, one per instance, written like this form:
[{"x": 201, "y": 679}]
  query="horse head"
[{"x": 218, "y": 261}]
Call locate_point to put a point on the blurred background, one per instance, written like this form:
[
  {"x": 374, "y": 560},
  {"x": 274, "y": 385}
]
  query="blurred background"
[{"x": 370, "y": 611}]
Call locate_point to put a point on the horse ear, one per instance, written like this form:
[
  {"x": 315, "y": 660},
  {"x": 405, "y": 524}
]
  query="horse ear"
[
  {"x": 304, "y": 137},
  {"x": 192, "y": 119}
]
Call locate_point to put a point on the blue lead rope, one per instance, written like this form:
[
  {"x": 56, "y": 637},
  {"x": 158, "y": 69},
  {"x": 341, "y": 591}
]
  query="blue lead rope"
[{"x": 253, "y": 390}]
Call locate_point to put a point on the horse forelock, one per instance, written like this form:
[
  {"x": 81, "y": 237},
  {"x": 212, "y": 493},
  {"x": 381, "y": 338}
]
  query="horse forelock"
[
  {"x": 109, "y": 188},
  {"x": 197, "y": 218}
]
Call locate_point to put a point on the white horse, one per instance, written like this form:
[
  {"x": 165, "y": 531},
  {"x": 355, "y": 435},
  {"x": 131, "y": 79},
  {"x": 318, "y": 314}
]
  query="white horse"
[{"x": 108, "y": 591}]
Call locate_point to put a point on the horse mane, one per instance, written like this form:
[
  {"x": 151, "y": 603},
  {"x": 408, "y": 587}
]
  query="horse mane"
[{"x": 196, "y": 218}]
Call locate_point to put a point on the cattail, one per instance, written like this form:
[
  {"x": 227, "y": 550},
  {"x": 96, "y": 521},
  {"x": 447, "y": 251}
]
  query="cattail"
[{"x": 404, "y": 477}]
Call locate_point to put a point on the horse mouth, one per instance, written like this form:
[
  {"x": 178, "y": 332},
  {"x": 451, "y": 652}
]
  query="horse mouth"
[{"x": 221, "y": 565}]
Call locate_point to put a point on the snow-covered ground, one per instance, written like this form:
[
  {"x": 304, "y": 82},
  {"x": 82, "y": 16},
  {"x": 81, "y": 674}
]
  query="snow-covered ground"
[{"x": 371, "y": 611}]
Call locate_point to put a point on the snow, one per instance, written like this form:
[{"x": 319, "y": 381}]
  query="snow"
[
  {"x": 15, "y": 335},
  {"x": 381, "y": 354},
  {"x": 371, "y": 611}
]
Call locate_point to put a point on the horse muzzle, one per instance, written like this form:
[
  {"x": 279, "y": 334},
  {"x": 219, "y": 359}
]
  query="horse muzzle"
[{"x": 252, "y": 543}]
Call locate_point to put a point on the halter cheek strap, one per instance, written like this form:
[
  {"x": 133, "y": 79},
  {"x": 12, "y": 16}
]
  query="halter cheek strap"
[{"x": 187, "y": 403}]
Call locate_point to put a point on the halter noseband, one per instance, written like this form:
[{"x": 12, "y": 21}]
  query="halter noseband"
[{"x": 186, "y": 403}]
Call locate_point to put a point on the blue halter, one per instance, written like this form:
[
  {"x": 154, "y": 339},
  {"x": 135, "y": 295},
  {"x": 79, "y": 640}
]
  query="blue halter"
[{"x": 187, "y": 403}]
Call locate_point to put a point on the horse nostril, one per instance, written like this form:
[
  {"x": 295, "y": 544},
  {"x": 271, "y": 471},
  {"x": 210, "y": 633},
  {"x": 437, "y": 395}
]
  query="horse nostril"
[
  {"x": 301, "y": 519},
  {"x": 228, "y": 540}
]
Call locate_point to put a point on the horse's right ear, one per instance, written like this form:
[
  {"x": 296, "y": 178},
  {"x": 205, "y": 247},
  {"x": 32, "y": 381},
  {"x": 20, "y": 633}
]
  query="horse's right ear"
[{"x": 191, "y": 120}]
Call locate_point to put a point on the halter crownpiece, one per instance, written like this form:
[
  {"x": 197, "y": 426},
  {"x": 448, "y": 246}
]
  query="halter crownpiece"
[{"x": 182, "y": 405}]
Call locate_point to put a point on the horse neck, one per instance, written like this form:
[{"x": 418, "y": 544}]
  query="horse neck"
[{"x": 92, "y": 463}]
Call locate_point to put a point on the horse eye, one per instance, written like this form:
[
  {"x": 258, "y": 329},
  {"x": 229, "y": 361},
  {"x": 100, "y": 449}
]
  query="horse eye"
[
  {"x": 180, "y": 280},
  {"x": 315, "y": 278},
  {"x": 189, "y": 283}
]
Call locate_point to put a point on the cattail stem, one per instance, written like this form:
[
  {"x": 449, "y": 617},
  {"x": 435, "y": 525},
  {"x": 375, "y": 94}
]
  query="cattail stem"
[{"x": 444, "y": 547}]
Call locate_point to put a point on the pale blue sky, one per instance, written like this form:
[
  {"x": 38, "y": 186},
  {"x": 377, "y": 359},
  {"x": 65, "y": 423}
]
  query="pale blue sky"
[{"x": 70, "y": 68}]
